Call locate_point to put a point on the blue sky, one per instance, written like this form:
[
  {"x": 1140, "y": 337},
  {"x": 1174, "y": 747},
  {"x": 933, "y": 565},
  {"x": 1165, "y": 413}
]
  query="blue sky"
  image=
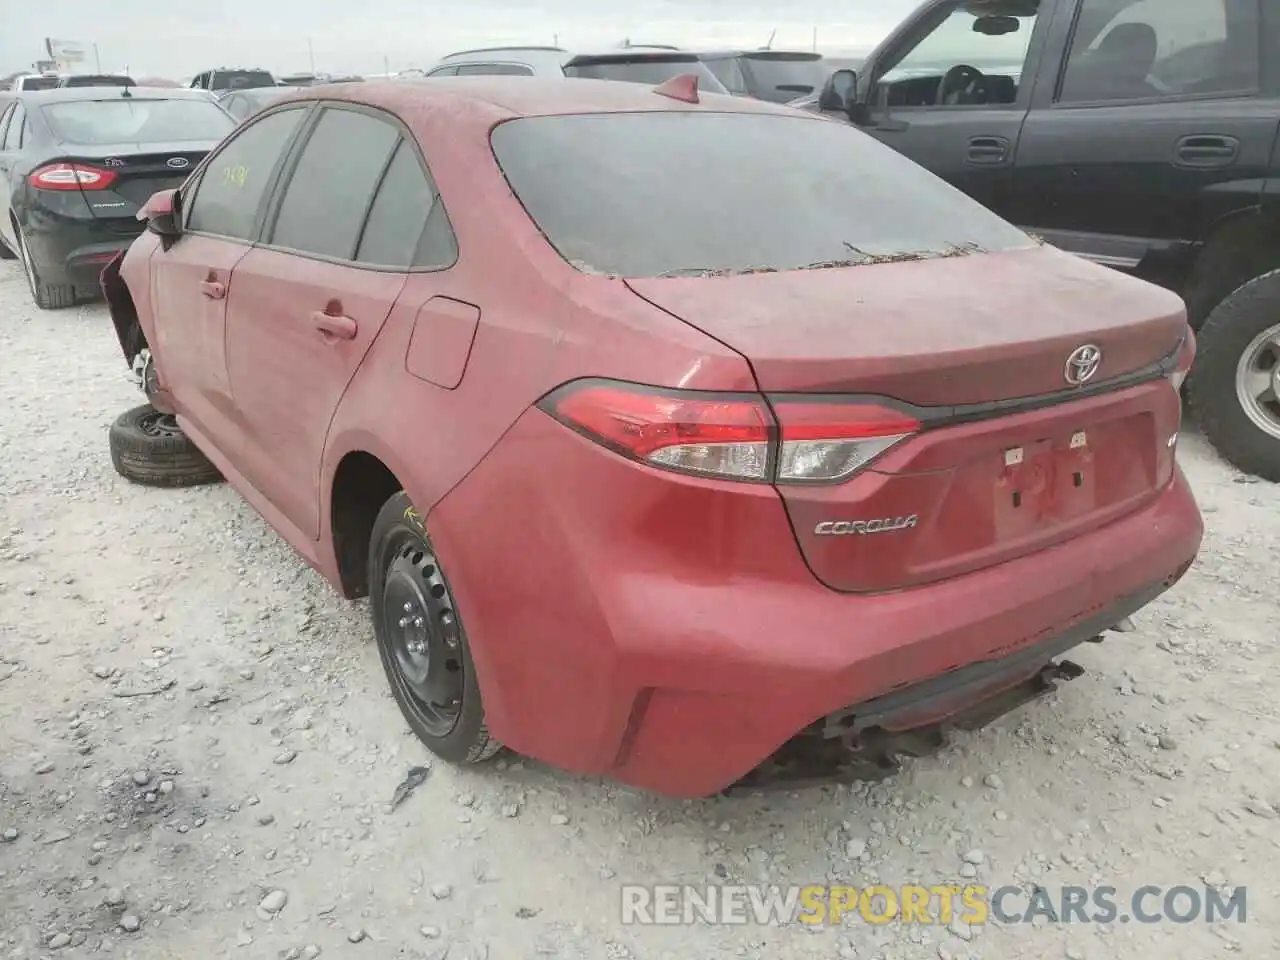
[{"x": 180, "y": 39}]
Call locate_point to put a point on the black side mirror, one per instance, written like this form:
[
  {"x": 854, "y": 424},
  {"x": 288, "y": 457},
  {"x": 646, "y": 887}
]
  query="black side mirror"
[{"x": 839, "y": 92}]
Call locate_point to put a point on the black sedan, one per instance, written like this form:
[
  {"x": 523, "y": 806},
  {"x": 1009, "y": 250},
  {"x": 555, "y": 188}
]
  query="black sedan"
[{"x": 77, "y": 164}]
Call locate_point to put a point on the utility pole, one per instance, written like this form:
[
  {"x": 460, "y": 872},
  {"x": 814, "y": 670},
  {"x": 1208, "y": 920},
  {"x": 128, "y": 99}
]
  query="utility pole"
[
  {"x": 97, "y": 60},
  {"x": 815, "y": 39},
  {"x": 386, "y": 66},
  {"x": 555, "y": 39},
  {"x": 311, "y": 52}
]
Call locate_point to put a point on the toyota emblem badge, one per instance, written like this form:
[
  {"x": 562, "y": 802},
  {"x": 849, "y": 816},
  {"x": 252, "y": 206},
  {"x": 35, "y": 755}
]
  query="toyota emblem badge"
[{"x": 1082, "y": 364}]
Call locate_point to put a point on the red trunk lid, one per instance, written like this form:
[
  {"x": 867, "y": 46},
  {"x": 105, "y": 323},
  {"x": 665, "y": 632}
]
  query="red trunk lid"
[{"x": 955, "y": 337}]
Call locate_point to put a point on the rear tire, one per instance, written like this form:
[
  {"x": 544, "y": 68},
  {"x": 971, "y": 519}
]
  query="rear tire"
[
  {"x": 48, "y": 296},
  {"x": 149, "y": 448},
  {"x": 1238, "y": 344},
  {"x": 421, "y": 639}
]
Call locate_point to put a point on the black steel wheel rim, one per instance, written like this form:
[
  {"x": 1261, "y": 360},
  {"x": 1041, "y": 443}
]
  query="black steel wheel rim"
[
  {"x": 159, "y": 425},
  {"x": 421, "y": 631}
]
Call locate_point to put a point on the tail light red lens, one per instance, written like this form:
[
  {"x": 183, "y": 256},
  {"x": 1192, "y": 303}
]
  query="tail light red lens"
[
  {"x": 71, "y": 176},
  {"x": 731, "y": 436},
  {"x": 725, "y": 435}
]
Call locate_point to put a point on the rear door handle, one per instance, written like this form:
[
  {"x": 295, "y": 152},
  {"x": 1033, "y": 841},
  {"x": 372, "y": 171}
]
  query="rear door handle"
[
  {"x": 988, "y": 150},
  {"x": 213, "y": 289},
  {"x": 334, "y": 326},
  {"x": 1206, "y": 151}
]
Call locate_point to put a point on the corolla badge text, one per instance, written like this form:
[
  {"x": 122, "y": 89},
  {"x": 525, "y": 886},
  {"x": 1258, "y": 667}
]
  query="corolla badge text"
[{"x": 844, "y": 528}]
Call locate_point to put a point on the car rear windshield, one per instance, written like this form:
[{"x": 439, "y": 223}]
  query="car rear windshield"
[
  {"x": 99, "y": 80},
  {"x": 783, "y": 78},
  {"x": 137, "y": 120},
  {"x": 673, "y": 192},
  {"x": 242, "y": 79},
  {"x": 654, "y": 69}
]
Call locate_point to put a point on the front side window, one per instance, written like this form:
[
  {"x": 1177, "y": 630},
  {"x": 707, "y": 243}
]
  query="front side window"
[
  {"x": 1141, "y": 49},
  {"x": 329, "y": 193},
  {"x": 966, "y": 60},
  {"x": 232, "y": 186},
  {"x": 749, "y": 192}
]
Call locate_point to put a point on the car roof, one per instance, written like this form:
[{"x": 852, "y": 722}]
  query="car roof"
[
  {"x": 762, "y": 54},
  {"x": 495, "y": 98},
  {"x": 58, "y": 94}
]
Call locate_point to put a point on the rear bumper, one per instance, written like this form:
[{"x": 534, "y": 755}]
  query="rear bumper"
[
  {"x": 73, "y": 250},
  {"x": 654, "y": 629}
]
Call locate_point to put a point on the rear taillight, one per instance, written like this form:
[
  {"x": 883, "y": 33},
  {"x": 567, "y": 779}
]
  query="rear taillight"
[
  {"x": 731, "y": 436},
  {"x": 826, "y": 441},
  {"x": 71, "y": 176},
  {"x": 1182, "y": 364}
]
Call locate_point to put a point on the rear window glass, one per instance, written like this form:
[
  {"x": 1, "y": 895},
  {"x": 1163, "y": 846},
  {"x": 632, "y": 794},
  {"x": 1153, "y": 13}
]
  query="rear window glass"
[
  {"x": 137, "y": 120},
  {"x": 39, "y": 83},
  {"x": 645, "y": 70},
  {"x": 242, "y": 79},
  {"x": 99, "y": 80},
  {"x": 781, "y": 79},
  {"x": 654, "y": 194}
]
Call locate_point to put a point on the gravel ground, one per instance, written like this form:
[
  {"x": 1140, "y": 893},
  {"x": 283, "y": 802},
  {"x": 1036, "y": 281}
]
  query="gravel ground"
[{"x": 198, "y": 752}]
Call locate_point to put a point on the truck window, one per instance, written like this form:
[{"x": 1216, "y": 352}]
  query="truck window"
[
  {"x": 965, "y": 60},
  {"x": 1144, "y": 49}
]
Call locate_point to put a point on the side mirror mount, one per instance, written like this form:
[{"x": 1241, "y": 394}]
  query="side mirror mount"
[{"x": 163, "y": 215}]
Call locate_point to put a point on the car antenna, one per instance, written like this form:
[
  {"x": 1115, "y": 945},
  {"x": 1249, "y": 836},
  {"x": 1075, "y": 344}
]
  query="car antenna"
[
  {"x": 769, "y": 43},
  {"x": 124, "y": 92},
  {"x": 683, "y": 88}
]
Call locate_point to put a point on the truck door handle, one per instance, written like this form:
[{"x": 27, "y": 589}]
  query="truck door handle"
[
  {"x": 1206, "y": 151},
  {"x": 988, "y": 150},
  {"x": 213, "y": 289},
  {"x": 334, "y": 326}
]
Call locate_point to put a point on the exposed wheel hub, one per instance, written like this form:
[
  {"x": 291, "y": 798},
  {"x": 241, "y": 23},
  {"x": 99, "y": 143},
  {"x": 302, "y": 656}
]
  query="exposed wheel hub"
[
  {"x": 1258, "y": 381},
  {"x": 423, "y": 633}
]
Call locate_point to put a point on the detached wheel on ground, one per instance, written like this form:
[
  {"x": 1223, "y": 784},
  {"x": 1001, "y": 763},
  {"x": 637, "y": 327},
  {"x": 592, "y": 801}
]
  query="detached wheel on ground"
[
  {"x": 48, "y": 296},
  {"x": 149, "y": 448},
  {"x": 1234, "y": 387},
  {"x": 421, "y": 639}
]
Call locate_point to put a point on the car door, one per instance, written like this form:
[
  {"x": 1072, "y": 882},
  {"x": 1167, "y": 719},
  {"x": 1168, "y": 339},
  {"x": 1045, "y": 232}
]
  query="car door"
[
  {"x": 222, "y": 210},
  {"x": 1151, "y": 128},
  {"x": 303, "y": 311},
  {"x": 968, "y": 132}
]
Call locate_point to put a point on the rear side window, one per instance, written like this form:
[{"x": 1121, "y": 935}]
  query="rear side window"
[
  {"x": 444, "y": 72},
  {"x": 407, "y": 225},
  {"x": 39, "y": 83},
  {"x": 494, "y": 70},
  {"x": 233, "y": 184},
  {"x": 137, "y": 120},
  {"x": 670, "y": 193},
  {"x": 328, "y": 196},
  {"x": 17, "y": 123}
]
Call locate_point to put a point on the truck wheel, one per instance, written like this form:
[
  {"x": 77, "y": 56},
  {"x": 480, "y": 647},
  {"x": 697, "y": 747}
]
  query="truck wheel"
[
  {"x": 149, "y": 448},
  {"x": 1234, "y": 387},
  {"x": 421, "y": 639}
]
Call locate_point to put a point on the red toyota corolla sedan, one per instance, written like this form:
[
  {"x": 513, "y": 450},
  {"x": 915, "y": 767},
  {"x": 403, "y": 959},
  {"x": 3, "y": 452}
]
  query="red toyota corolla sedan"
[{"x": 661, "y": 429}]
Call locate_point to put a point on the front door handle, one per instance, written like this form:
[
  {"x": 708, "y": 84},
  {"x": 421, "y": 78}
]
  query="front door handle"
[
  {"x": 334, "y": 326},
  {"x": 1206, "y": 151},
  {"x": 988, "y": 150},
  {"x": 213, "y": 289}
]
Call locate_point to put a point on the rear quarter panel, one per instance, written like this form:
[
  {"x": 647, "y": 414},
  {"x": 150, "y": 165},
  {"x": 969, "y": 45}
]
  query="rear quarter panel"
[
  {"x": 541, "y": 323},
  {"x": 135, "y": 271}
]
